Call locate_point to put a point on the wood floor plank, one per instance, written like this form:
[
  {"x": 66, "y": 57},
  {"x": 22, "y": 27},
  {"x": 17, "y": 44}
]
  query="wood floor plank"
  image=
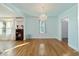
[{"x": 38, "y": 47}]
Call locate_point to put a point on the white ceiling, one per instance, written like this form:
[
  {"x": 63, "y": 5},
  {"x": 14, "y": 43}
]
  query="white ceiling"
[
  {"x": 5, "y": 12},
  {"x": 51, "y": 9}
]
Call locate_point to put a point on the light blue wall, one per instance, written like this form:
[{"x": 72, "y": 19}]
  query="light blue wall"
[
  {"x": 72, "y": 26},
  {"x": 32, "y": 27}
]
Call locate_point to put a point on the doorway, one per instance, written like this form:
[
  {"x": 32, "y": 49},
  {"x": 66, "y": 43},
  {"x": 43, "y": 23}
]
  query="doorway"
[
  {"x": 64, "y": 30},
  {"x": 19, "y": 24}
]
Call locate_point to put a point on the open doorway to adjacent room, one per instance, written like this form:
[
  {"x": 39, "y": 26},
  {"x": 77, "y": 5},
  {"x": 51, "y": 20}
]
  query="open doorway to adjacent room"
[{"x": 64, "y": 29}]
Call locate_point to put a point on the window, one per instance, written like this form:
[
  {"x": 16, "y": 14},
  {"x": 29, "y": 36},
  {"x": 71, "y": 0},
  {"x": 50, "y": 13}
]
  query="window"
[
  {"x": 0, "y": 31},
  {"x": 8, "y": 32},
  {"x": 1, "y": 26},
  {"x": 42, "y": 27},
  {"x": 8, "y": 28},
  {"x": 5, "y": 27},
  {"x": 8, "y": 24}
]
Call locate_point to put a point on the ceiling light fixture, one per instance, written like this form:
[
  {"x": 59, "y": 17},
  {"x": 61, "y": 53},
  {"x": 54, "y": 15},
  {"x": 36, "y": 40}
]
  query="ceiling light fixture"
[{"x": 43, "y": 16}]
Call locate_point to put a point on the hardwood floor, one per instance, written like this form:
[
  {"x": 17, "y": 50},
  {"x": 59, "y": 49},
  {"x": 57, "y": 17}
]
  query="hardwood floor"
[{"x": 36, "y": 47}]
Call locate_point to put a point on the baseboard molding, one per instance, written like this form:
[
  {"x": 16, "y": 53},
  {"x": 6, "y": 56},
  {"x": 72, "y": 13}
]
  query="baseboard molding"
[
  {"x": 29, "y": 39},
  {"x": 40, "y": 38},
  {"x": 73, "y": 47}
]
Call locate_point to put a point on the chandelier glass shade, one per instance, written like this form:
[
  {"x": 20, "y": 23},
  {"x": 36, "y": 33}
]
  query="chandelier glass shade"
[{"x": 43, "y": 17}]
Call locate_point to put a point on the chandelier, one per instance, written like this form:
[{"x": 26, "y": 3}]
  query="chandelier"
[{"x": 43, "y": 16}]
